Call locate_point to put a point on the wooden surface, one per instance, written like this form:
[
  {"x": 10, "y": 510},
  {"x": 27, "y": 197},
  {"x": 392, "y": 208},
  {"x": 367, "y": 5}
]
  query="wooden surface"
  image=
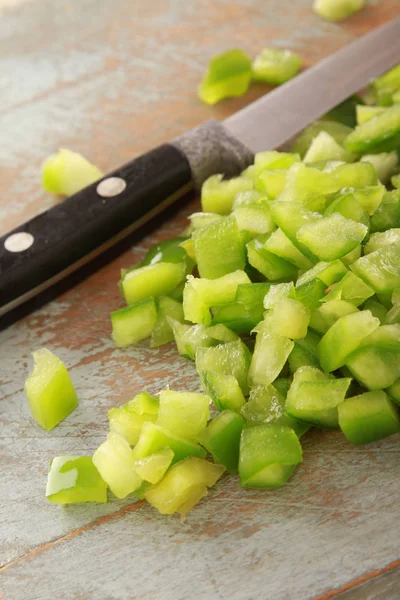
[{"x": 111, "y": 79}]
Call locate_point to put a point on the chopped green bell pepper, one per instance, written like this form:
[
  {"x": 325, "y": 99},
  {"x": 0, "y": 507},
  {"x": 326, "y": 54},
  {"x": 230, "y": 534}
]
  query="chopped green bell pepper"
[
  {"x": 368, "y": 418},
  {"x": 268, "y": 455},
  {"x": 73, "y": 479},
  {"x": 222, "y": 438},
  {"x": 49, "y": 389},
  {"x": 276, "y": 66},
  {"x": 228, "y": 74}
]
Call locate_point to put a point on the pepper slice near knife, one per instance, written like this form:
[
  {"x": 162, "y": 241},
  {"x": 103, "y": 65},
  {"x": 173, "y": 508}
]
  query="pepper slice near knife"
[{"x": 54, "y": 244}]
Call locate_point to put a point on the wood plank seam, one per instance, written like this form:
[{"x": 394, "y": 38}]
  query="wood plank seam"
[
  {"x": 74, "y": 533},
  {"x": 358, "y": 581}
]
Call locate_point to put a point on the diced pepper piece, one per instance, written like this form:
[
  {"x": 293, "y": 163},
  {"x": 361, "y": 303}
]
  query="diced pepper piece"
[
  {"x": 346, "y": 204},
  {"x": 380, "y": 269},
  {"x": 49, "y": 389},
  {"x": 344, "y": 337},
  {"x": 368, "y": 417},
  {"x": 313, "y": 397},
  {"x": 249, "y": 197},
  {"x": 219, "y": 248},
  {"x": 194, "y": 308},
  {"x": 325, "y": 147},
  {"x": 268, "y": 455},
  {"x": 332, "y": 237},
  {"x": 395, "y": 181},
  {"x": 217, "y": 194},
  {"x": 68, "y": 172},
  {"x": 255, "y": 219},
  {"x": 290, "y": 318},
  {"x": 279, "y": 244},
  {"x": 337, "y": 10},
  {"x": 278, "y": 292},
  {"x": 376, "y": 308},
  {"x": 394, "y": 391},
  {"x": 385, "y": 164},
  {"x": 323, "y": 317},
  {"x": 311, "y": 292},
  {"x": 387, "y": 85},
  {"x": 271, "y": 182},
  {"x": 221, "y": 334},
  {"x": 153, "y": 438},
  {"x": 387, "y": 215},
  {"x": 246, "y": 311},
  {"x": 381, "y": 239},
  {"x": 275, "y": 66},
  {"x": 227, "y": 75},
  {"x": 270, "y": 265},
  {"x": 349, "y": 258},
  {"x": 187, "y": 246},
  {"x": 380, "y": 134},
  {"x": 183, "y": 486},
  {"x": 305, "y": 352},
  {"x": 365, "y": 113},
  {"x": 370, "y": 197},
  {"x": 167, "y": 251},
  {"x": 376, "y": 362},
  {"x": 338, "y": 131},
  {"x": 357, "y": 175},
  {"x": 267, "y": 405},
  {"x": 328, "y": 272},
  {"x": 307, "y": 186},
  {"x": 153, "y": 468},
  {"x": 290, "y": 216},
  {"x": 202, "y": 219},
  {"x": 351, "y": 289},
  {"x": 270, "y": 355},
  {"x": 223, "y": 389},
  {"x": 183, "y": 413},
  {"x": 162, "y": 331},
  {"x": 157, "y": 279},
  {"x": 73, "y": 479},
  {"x": 127, "y": 420},
  {"x": 115, "y": 463},
  {"x": 232, "y": 358},
  {"x": 218, "y": 291},
  {"x": 222, "y": 439},
  {"x": 133, "y": 323},
  {"x": 272, "y": 159}
]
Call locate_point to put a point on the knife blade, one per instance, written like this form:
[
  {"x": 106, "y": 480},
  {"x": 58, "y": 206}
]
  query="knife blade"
[{"x": 45, "y": 250}]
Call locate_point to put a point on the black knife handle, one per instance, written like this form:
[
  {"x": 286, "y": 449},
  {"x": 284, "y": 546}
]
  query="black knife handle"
[{"x": 82, "y": 226}]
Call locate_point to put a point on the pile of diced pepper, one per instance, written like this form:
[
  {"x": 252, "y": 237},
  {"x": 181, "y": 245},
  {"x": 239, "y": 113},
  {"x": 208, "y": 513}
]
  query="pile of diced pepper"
[{"x": 285, "y": 291}]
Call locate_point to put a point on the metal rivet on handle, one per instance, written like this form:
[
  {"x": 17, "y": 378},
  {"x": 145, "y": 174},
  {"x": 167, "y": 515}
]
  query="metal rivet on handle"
[
  {"x": 18, "y": 242},
  {"x": 112, "y": 186}
]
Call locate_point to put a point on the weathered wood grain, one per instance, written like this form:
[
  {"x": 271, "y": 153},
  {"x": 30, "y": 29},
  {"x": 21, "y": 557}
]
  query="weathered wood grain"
[{"x": 111, "y": 79}]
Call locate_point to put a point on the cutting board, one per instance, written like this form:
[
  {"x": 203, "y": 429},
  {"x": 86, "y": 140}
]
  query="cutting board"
[{"x": 111, "y": 79}]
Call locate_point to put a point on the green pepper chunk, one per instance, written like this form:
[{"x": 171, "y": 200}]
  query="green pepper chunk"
[
  {"x": 114, "y": 461},
  {"x": 268, "y": 455},
  {"x": 49, "y": 390},
  {"x": 127, "y": 420},
  {"x": 223, "y": 389},
  {"x": 222, "y": 439},
  {"x": 228, "y": 74},
  {"x": 73, "y": 479},
  {"x": 337, "y": 10},
  {"x": 66, "y": 173},
  {"x": 276, "y": 66},
  {"x": 338, "y": 131},
  {"x": 232, "y": 358},
  {"x": 314, "y": 397},
  {"x": 344, "y": 337},
  {"x": 380, "y": 134},
  {"x": 133, "y": 323},
  {"x": 183, "y": 486},
  {"x": 153, "y": 438},
  {"x": 368, "y": 418},
  {"x": 219, "y": 248},
  {"x": 380, "y": 269},
  {"x": 183, "y": 413}
]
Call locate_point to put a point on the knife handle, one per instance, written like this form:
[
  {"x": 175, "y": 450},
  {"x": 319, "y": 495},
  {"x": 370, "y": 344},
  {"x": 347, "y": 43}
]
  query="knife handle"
[
  {"x": 59, "y": 241},
  {"x": 82, "y": 226}
]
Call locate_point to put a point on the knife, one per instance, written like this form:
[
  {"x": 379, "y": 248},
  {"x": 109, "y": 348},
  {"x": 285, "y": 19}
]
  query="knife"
[{"x": 57, "y": 242}]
